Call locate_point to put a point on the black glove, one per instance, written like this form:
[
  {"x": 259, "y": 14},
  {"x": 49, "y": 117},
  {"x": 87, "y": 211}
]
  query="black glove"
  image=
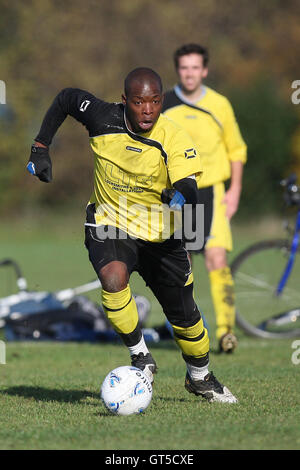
[
  {"x": 39, "y": 164},
  {"x": 173, "y": 198}
]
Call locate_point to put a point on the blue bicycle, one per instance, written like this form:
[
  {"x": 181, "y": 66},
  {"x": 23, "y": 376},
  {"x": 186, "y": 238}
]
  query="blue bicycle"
[{"x": 267, "y": 280}]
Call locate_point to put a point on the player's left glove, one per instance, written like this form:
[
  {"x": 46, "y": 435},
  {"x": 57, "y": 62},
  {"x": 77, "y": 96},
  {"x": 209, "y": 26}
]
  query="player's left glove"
[
  {"x": 39, "y": 163},
  {"x": 173, "y": 198}
]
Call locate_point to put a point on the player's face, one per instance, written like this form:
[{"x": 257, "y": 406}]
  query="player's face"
[
  {"x": 191, "y": 71},
  {"x": 143, "y": 105}
]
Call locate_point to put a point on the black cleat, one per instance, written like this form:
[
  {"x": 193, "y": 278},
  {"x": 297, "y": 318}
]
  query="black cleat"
[
  {"x": 146, "y": 363},
  {"x": 209, "y": 388},
  {"x": 228, "y": 343}
]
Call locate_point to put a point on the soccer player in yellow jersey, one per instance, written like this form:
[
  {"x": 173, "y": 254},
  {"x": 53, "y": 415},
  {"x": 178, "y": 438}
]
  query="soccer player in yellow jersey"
[
  {"x": 209, "y": 119},
  {"x": 142, "y": 160}
]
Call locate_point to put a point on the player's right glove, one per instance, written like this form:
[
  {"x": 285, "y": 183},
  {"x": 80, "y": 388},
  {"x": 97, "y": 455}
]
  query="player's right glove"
[{"x": 39, "y": 164}]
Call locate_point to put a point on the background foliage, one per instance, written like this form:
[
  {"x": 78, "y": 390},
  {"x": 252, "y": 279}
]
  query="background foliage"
[{"x": 46, "y": 46}]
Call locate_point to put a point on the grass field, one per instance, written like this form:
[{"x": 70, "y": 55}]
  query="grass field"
[{"x": 49, "y": 392}]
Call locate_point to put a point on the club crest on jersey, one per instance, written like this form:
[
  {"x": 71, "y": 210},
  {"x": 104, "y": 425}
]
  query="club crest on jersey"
[
  {"x": 84, "y": 105},
  {"x": 190, "y": 153}
]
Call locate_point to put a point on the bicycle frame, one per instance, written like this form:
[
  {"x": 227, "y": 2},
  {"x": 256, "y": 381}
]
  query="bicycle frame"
[{"x": 291, "y": 260}]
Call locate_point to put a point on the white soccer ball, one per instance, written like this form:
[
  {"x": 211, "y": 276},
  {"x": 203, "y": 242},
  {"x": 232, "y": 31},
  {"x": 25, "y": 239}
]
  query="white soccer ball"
[{"x": 126, "y": 390}]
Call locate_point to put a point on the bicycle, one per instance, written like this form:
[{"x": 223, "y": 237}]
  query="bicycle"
[
  {"x": 64, "y": 315},
  {"x": 267, "y": 296}
]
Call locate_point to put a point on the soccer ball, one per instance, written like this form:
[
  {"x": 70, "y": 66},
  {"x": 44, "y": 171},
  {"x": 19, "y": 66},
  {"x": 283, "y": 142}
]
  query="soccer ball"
[{"x": 126, "y": 390}]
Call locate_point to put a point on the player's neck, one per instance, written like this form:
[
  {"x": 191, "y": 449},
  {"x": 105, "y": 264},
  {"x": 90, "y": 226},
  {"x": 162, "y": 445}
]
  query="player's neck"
[{"x": 193, "y": 96}]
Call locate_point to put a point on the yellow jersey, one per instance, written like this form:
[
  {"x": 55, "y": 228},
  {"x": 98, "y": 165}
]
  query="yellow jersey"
[
  {"x": 212, "y": 126},
  {"x": 131, "y": 170}
]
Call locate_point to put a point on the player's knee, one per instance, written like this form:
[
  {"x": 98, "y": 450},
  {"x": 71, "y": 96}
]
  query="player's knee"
[
  {"x": 114, "y": 276},
  {"x": 215, "y": 258}
]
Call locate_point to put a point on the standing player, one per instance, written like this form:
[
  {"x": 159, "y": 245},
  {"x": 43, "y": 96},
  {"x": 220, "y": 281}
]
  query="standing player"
[
  {"x": 138, "y": 154},
  {"x": 209, "y": 119}
]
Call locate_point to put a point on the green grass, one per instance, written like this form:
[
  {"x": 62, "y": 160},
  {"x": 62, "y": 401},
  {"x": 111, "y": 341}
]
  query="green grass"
[
  {"x": 49, "y": 398},
  {"x": 49, "y": 392}
]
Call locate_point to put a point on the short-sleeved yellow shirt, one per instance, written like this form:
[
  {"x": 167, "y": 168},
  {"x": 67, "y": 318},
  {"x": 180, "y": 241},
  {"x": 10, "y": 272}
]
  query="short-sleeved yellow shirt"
[{"x": 212, "y": 126}]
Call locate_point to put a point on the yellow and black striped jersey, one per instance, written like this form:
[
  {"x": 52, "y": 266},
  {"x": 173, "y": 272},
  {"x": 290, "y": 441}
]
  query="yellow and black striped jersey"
[
  {"x": 131, "y": 170},
  {"x": 212, "y": 125}
]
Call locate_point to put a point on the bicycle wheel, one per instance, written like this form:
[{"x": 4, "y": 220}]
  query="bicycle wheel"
[{"x": 256, "y": 272}]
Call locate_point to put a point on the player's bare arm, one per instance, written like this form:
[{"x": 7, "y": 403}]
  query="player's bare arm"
[{"x": 232, "y": 195}]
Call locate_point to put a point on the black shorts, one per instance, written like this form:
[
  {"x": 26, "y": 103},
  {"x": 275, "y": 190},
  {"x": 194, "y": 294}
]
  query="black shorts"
[
  {"x": 165, "y": 267},
  {"x": 165, "y": 263}
]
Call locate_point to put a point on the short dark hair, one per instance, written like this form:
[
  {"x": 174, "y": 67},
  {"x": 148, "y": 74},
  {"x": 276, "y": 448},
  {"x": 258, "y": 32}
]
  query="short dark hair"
[
  {"x": 191, "y": 49},
  {"x": 140, "y": 74}
]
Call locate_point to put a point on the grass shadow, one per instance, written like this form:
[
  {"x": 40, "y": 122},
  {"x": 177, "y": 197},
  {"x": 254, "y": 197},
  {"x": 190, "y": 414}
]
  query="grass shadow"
[{"x": 49, "y": 395}]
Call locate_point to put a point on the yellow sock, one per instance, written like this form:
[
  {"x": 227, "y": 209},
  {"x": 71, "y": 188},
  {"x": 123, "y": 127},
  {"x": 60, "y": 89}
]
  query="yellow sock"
[
  {"x": 222, "y": 291},
  {"x": 120, "y": 308},
  {"x": 193, "y": 340}
]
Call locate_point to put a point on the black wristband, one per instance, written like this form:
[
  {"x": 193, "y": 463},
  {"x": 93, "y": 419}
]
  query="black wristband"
[{"x": 188, "y": 188}]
